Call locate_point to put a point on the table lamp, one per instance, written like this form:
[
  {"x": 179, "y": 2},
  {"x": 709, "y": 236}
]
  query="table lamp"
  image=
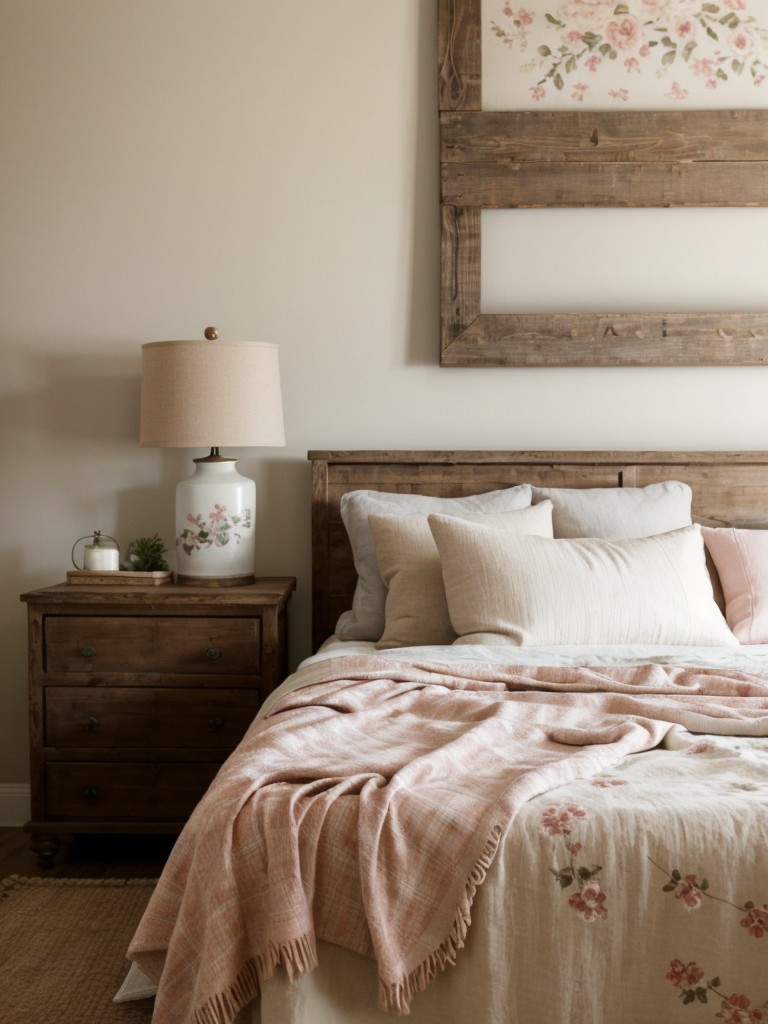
[{"x": 208, "y": 394}]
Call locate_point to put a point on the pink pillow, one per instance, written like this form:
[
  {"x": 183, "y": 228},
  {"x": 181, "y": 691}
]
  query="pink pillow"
[{"x": 741, "y": 560}]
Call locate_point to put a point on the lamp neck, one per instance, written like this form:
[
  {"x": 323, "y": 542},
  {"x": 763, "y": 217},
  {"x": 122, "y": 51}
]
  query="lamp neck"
[{"x": 214, "y": 457}]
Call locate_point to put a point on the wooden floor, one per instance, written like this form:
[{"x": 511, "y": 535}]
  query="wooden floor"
[{"x": 103, "y": 856}]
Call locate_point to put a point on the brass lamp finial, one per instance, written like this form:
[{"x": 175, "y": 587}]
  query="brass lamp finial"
[{"x": 211, "y": 333}]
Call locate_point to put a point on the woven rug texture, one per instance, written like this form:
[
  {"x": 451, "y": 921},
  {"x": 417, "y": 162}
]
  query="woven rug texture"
[{"x": 62, "y": 949}]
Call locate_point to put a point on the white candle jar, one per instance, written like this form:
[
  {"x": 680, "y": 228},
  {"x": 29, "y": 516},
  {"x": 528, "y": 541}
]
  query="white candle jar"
[{"x": 102, "y": 555}]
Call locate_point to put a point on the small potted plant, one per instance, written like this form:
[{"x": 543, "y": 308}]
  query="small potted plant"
[{"x": 146, "y": 555}]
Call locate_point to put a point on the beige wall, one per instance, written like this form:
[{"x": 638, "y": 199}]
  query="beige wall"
[{"x": 270, "y": 168}]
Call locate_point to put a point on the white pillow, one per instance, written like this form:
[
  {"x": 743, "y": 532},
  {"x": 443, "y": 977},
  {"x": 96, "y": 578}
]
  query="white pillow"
[
  {"x": 365, "y": 620},
  {"x": 618, "y": 512},
  {"x": 524, "y": 590},
  {"x": 416, "y": 610}
]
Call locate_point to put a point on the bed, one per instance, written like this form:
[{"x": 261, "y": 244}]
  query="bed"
[{"x": 524, "y": 777}]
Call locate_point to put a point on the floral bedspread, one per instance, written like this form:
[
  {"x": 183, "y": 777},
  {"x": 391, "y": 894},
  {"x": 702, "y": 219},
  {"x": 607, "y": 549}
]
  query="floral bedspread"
[
  {"x": 657, "y": 868},
  {"x": 638, "y": 895},
  {"x": 621, "y": 815}
]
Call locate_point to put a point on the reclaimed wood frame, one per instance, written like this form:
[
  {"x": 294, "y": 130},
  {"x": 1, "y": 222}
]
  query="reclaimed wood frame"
[{"x": 582, "y": 159}]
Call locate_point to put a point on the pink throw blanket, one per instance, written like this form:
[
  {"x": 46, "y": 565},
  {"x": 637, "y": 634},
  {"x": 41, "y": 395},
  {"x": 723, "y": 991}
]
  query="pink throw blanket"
[{"x": 367, "y": 807}]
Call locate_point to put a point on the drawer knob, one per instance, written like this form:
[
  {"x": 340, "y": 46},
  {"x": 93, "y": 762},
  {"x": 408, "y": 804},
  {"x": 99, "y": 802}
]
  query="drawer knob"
[
  {"x": 93, "y": 723},
  {"x": 215, "y": 724},
  {"x": 213, "y": 653},
  {"x": 88, "y": 652},
  {"x": 91, "y": 793}
]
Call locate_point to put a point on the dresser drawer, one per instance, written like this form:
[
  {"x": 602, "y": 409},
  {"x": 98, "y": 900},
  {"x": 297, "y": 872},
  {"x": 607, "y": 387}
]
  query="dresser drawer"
[
  {"x": 129, "y": 718},
  {"x": 100, "y": 792},
  {"x": 170, "y": 644}
]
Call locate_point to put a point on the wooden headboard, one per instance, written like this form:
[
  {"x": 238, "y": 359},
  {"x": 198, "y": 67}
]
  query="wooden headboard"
[{"x": 727, "y": 487}]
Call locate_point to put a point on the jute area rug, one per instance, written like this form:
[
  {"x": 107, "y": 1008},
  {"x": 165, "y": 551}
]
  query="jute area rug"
[{"x": 62, "y": 949}]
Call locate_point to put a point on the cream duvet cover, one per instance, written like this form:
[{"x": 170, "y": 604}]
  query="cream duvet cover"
[{"x": 635, "y": 890}]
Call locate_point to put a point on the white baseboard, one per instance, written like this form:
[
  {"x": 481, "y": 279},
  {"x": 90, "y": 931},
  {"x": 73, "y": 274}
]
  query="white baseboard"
[{"x": 14, "y": 803}]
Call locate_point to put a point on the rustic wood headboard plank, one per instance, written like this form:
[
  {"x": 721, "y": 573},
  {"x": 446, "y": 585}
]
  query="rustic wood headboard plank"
[{"x": 727, "y": 486}]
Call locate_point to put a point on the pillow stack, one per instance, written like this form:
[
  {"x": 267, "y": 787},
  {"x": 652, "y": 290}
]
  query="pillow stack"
[
  {"x": 531, "y": 565},
  {"x": 365, "y": 620},
  {"x": 416, "y": 610}
]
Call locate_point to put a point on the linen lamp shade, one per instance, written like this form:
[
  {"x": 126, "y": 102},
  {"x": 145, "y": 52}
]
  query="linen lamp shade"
[
  {"x": 208, "y": 395},
  {"x": 197, "y": 394}
]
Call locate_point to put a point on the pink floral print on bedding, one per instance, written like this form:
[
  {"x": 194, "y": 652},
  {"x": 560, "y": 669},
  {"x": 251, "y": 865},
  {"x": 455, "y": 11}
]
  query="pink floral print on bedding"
[{"x": 374, "y": 781}]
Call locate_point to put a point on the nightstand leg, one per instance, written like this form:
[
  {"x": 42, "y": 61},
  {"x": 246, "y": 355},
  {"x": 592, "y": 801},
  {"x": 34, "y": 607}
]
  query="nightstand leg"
[{"x": 46, "y": 847}]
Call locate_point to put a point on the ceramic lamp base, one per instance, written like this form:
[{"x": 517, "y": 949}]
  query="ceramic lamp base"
[{"x": 215, "y": 525}]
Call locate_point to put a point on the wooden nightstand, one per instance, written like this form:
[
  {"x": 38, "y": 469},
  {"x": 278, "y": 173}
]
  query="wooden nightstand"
[{"x": 138, "y": 694}]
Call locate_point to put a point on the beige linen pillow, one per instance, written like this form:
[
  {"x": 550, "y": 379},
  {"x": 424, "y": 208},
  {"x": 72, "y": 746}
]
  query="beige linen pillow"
[
  {"x": 416, "y": 611},
  {"x": 365, "y": 619},
  {"x": 618, "y": 512},
  {"x": 504, "y": 589}
]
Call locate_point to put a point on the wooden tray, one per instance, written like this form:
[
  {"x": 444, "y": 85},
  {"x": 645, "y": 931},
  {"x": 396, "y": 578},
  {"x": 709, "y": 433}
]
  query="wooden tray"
[{"x": 120, "y": 578}]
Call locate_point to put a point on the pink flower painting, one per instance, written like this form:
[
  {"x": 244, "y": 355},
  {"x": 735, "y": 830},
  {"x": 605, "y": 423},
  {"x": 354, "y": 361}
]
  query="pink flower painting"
[
  {"x": 688, "y": 891},
  {"x": 737, "y": 1008},
  {"x": 680, "y": 48},
  {"x": 689, "y": 977},
  {"x": 684, "y": 975},
  {"x": 562, "y": 822},
  {"x": 756, "y": 921},
  {"x": 559, "y": 820},
  {"x": 589, "y": 902}
]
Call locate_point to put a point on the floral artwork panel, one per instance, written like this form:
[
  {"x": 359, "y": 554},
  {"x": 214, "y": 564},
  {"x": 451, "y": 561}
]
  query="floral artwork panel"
[{"x": 633, "y": 54}]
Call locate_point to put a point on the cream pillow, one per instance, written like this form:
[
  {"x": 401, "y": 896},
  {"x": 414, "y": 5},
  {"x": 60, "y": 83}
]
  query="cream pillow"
[
  {"x": 504, "y": 589},
  {"x": 741, "y": 560},
  {"x": 618, "y": 512},
  {"x": 416, "y": 611},
  {"x": 365, "y": 620}
]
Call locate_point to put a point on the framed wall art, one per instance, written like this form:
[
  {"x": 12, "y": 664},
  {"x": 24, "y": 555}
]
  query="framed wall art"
[{"x": 597, "y": 104}]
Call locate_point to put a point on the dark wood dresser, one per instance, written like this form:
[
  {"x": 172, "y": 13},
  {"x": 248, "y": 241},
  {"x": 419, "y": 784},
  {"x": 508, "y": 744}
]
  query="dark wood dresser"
[{"x": 138, "y": 694}]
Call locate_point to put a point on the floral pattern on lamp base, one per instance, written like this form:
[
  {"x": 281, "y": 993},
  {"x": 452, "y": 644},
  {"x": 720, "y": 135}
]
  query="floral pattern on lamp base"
[{"x": 217, "y": 530}]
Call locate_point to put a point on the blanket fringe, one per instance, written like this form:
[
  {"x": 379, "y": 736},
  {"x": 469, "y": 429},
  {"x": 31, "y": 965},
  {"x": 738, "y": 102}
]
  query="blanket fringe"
[
  {"x": 396, "y": 996},
  {"x": 298, "y": 956}
]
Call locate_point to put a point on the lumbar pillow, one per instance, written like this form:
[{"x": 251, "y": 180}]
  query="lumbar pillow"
[
  {"x": 416, "y": 610},
  {"x": 741, "y": 560},
  {"x": 525, "y": 590},
  {"x": 618, "y": 512},
  {"x": 365, "y": 620}
]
